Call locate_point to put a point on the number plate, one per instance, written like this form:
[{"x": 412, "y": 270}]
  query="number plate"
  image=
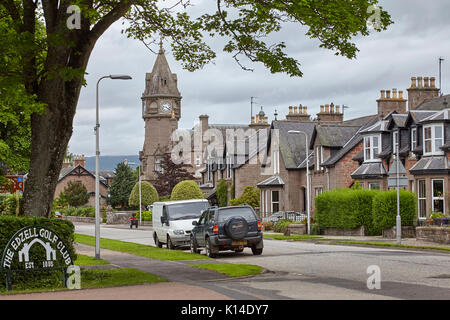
[{"x": 239, "y": 243}]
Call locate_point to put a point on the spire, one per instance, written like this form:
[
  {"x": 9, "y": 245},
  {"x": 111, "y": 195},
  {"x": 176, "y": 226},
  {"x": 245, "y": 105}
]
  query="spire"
[{"x": 161, "y": 80}]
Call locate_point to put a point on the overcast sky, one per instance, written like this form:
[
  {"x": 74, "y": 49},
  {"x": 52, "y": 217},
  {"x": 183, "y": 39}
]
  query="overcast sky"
[{"x": 410, "y": 47}]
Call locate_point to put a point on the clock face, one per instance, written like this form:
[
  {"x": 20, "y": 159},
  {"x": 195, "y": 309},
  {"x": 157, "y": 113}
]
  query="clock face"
[{"x": 166, "y": 107}]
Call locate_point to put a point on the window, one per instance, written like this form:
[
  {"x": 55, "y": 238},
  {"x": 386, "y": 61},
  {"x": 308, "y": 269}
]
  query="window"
[
  {"x": 395, "y": 141},
  {"x": 275, "y": 201},
  {"x": 422, "y": 196},
  {"x": 197, "y": 161},
  {"x": 209, "y": 169},
  {"x": 261, "y": 196},
  {"x": 433, "y": 139},
  {"x": 413, "y": 138},
  {"x": 158, "y": 167},
  {"x": 318, "y": 191},
  {"x": 438, "y": 195},
  {"x": 228, "y": 167},
  {"x": 371, "y": 148},
  {"x": 276, "y": 162},
  {"x": 319, "y": 157},
  {"x": 374, "y": 186}
]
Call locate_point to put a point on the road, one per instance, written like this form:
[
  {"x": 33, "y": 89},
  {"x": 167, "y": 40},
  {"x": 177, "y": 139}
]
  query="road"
[{"x": 306, "y": 270}]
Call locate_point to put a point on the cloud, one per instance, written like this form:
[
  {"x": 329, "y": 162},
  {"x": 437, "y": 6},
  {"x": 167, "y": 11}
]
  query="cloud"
[{"x": 386, "y": 60}]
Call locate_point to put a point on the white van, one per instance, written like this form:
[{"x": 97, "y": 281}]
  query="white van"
[{"x": 172, "y": 221}]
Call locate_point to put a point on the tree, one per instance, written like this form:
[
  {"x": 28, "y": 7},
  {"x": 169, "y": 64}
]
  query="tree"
[
  {"x": 148, "y": 195},
  {"x": 76, "y": 194},
  {"x": 249, "y": 196},
  {"x": 122, "y": 185},
  {"x": 170, "y": 175},
  {"x": 186, "y": 190},
  {"x": 52, "y": 67},
  {"x": 222, "y": 193}
]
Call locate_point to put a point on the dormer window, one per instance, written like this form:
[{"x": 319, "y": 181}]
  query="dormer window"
[
  {"x": 413, "y": 138},
  {"x": 433, "y": 139},
  {"x": 395, "y": 141},
  {"x": 372, "y": 148},
  {"x": 319, "y": 158}
]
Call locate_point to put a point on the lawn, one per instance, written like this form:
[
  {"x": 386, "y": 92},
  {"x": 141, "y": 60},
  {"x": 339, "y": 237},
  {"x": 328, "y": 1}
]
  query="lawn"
[
  {"x": 83, "y": 260},
  {"x": 139, "y": 249},
  {"x": 232, "y": 270},
  {"x": 295, "y": 237}
]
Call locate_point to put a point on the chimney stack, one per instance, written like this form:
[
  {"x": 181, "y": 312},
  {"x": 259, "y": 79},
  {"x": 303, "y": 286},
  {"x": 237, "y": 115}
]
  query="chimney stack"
[
  {"x": 388, "y": 104},
  {"x": 329, "y": 114},
  {"x": 79, "y": 161},
  {"x": 300, "y": 114},
  {"x": 424, "y": 91}
]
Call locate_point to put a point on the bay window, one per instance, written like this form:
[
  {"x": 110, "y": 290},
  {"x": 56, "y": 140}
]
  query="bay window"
[
  {"x": 438, "y": 195},
  {"x": 413, "y": 138},
  {"x": 372, "y": 147},
  {"x": 422, "y": 196},
  {"x": 433, "y": 139}
]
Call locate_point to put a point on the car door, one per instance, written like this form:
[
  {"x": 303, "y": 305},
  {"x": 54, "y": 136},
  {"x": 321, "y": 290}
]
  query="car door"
[
  {"x": 162, "y": 231},
  {"x": 200, "y": 229}
]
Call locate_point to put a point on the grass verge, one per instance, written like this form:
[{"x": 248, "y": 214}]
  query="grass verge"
[
  {"x": 232, "y": 270},
  {"x": 295, "y": 237},
  {"x": 83, "y": 260},
  {"x": 96, "y": 279},
  {"x": 139, "y": 249}
]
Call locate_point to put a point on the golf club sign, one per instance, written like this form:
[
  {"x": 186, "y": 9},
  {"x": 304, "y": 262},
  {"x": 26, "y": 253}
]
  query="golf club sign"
[{"x": 22, "y": 251}]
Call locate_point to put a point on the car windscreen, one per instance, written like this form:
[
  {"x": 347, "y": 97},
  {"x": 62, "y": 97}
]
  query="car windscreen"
[
  {"x": 246, "y": 213},
  {"x": 190, "y": 210}
]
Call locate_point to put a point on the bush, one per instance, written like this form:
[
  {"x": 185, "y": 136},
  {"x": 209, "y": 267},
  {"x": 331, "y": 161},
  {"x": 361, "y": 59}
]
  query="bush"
[
  {"x": 148, "y": 195},
  {"x": 146, "y": 215},
  {"x": 164, "y": 198},
  {"x": 49, "y": 278},
  {"x": 268, "y": 226},
  {"x": 345, "y": 208},
  {"x": 3, "y": 197},
  {"x": 385, "y": 209},
  {"x": 222, "y": 193},
  {"x": 249, "y": 196},
  {"x": 282, "y": 225},
  {"x": 186, "y": 190}
]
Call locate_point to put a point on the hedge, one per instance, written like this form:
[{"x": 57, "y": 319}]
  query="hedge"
[
  {"x": 148, "y": 195},
  {"x": 9, "y": 225},
  {"x": 186, "y": 190},
  {"x": 77, "y": 211},
  {"x": 146, "y": 215},
  {"x": 384, "y": 209},
  {"x": 346, "y": 209}
]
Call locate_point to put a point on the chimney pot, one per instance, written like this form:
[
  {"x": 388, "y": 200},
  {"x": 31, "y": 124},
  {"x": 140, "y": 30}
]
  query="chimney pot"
[
  {"x": 327, "y": 108},
  {"x": 400, "y": 95},
  {"x": 290, "y": 109},
  {"x": 253, "y": 119},
  {"x": 419, "y": 82},
  {"x": 337, "y": 109},
  {"x": 394, "y": 94},
  {"x": 426, "y": 81},
  {"x": 321, "y": 109},
  {"x": 388, "y": 94},
  {"x": 383, "y": 94},
  {"x": 413, "y": 82},
  {"x": 332, "y": 107},
  {"x": 295, "y": 110},
  {"x": 433, "y": 82},
  {"x": 305, "y": 108}
]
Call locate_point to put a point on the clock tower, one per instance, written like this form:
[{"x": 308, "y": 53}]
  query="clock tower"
[{"x": 161, "y": 110}]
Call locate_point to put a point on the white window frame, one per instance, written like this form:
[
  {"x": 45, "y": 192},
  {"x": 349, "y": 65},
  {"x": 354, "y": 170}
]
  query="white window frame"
[
  {"x": 197, "y": 161},
  {"x": 319, "y": 158},
  {"x": 433, "y": 140},
  {"x": 158, "y": 167},
  {"x": 274, "y": 202},
  {"x": 372, "y": 149},
  {"x": 266, "y": 197},
  {"x": 419, "y": 198},
  {"x": 442, "y": 197},
  {"x": 395, "y": 142},
  {"x": 374, "y": 183},
  {"x": 276, "y": 162},
  {"x": 208, "y": 166},
  {"x": 413, "y": 138}
]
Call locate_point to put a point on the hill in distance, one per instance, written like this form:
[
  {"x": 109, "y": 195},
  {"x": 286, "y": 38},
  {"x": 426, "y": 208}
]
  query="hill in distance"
[{"x": 110, "y": 162}]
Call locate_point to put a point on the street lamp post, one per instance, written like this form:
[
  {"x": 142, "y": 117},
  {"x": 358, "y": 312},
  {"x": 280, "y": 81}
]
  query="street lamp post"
[
  {"x": 140, "y": 193},
  {"x": 307, "y": 177},
  {"x": 97, "y": 160}
]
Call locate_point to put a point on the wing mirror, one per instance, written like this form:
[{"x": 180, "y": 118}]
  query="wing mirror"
[{"x": 194, "y": 223}]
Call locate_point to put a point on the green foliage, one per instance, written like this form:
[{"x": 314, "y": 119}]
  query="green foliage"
[
  {"x": 345, "y": 208},
  {"x": 10, "y": 225},
  {"x": 148, "y": 195},
  {"x": 78, "y": 212},
  {"x": 385, "y": 209},
  {"x": 357, "y": 186},
  {"x": 282, "y": 225},
  {"x": 437, "y": 215},
  {"x": 76, "y": 193},
  {"x": 146, "y": 215},
  {"x": 222, "y": 193},
  {"x": 61, "y": 201},
  {"x": 186, "y": 190},
  {"x": 164, "y": 198},
  {"x": 122, "y": 186},
  {"x": 249, "y": 196},
  {"x": 268, "y": 226},
  {"x": 11, "y": 204}
]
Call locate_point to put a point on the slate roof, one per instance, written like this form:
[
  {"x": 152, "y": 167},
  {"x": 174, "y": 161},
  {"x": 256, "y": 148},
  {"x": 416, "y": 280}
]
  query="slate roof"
[
  {"x": 333, "y": 136},
  {"x": 419, "y": 115},
  {"x": 271, "y": 182},
  {"x": 435, "y": 104},
  {"x": 386, "y": 153},
  {"x": 370, "y": 170},
  {"x": 67, "y": 172},
  {"x": 292, "y": 146},
  {"x": 428, "y": 165},
  {"x": 400, "y": 119},
  {"x": 379, "y": 126},
  {"x": 443, "y": 115}
]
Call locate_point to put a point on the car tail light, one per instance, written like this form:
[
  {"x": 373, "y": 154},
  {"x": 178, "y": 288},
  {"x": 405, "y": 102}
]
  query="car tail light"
[
  {"x": 216, "y": 229},
  {"x": 259, "y": 225}
]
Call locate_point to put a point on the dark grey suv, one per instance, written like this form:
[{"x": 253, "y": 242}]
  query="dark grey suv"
[{"x": 227, "y": 228}]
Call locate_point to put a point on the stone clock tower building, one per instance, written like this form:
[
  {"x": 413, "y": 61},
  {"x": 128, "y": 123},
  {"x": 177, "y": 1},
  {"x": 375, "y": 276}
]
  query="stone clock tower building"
[{"x": 161, "y": 110}]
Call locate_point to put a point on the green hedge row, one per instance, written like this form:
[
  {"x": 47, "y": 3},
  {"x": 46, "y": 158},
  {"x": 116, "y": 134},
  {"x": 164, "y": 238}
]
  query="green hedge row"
[
  {"x": 77, "y": 211},
  {"x": 348, "y": 209},
  {"x": 9, "y": 225},
  {"x": 146, "y": 215}
]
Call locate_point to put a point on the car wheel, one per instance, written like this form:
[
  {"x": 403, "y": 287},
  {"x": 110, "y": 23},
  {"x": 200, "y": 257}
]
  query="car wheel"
[
  {"x": 194, "y": 248},
  {"x": 209, "y": 249},
  {"x": 157, "y": 243},
  {"x": 257, "y": 252},
  {"x": 170, "y": 244}
]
